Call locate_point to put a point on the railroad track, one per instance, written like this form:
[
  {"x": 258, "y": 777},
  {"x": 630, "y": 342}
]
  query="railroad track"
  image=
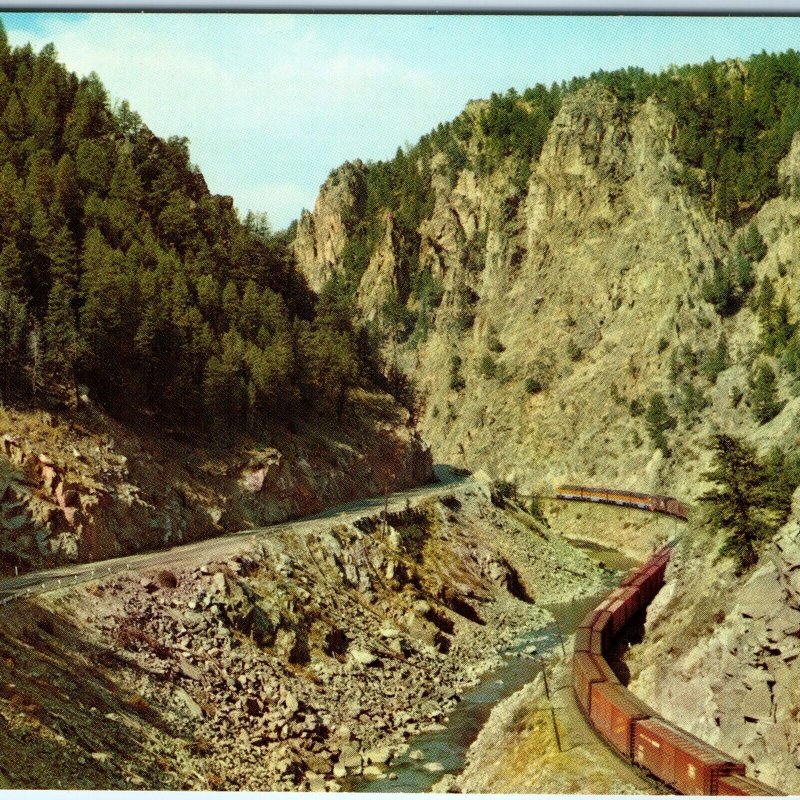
[{"x": 631, "y": 728}]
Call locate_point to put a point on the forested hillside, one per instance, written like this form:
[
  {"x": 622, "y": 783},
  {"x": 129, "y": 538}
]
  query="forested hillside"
[{"x": 119, "y": 271}]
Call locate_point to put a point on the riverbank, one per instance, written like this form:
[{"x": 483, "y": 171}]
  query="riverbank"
[{"x": 299, "y": 663}]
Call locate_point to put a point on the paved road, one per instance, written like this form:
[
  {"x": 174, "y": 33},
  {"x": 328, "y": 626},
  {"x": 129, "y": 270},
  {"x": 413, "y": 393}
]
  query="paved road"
[{"x": 215, "y": 548}]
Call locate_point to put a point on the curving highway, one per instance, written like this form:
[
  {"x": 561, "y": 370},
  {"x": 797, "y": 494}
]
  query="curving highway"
[{"x": 218, "y": 547}]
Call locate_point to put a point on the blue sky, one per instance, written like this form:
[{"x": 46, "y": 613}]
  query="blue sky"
[{"x": 271, "y": 103}]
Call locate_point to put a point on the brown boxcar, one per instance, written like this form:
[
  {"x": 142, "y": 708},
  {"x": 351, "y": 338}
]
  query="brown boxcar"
[
  {"x": 605, "y": 668},
  {"x": 742, "y": 786},
  {"x": 617, "y": 611},
  {"x": 602, "y": 625},
  {"x": 630, "y": 577},
  {"x": 588, "y": 620},
  {"x": 613, "y": 711},
  {"x": 585, "y": 673},
  {"x": 630, "y": 596},
  {"x": 680, "y": 759}
]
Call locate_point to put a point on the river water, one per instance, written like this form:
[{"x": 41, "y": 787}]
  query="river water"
[{"x": 449, "y": 745}]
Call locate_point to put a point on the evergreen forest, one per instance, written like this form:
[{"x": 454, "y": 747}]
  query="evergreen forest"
[{"x": 122, "y": 276}]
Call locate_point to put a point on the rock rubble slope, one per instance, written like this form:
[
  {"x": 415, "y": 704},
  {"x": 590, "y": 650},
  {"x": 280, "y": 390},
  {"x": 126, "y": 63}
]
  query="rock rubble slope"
[
  {"x": 299, "y": 663},
  {"x": 80, "y": 486}
]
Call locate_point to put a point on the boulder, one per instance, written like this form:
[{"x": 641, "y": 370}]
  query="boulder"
[
  {"x": 378, "y": 755},
  {"x": 183, "y": 697},
  {"x": 364, "y": 657}
]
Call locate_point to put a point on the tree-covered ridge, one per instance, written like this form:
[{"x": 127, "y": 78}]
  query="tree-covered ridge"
[
  {"x": 120, "y": 271},
  {"x": 735, "y": 121}
]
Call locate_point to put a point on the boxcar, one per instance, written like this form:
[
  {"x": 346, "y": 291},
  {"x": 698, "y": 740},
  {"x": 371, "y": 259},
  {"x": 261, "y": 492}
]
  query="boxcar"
[
  {"x": 583, "y": 640},
  {"x": 605, "y": 669},
  {"x": 602, "y": 626},
  {"x": 585, "y": 673},
  {"x": 680, "y": 759},
  {"x": 613, "y": 711},
  {"x": 740, "y": 785}
]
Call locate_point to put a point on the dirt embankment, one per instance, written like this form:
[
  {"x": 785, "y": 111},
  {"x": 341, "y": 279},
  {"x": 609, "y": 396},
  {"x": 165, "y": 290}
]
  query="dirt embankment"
[
  {"x": 301, "y": 660},
  {"x": 80, "y": 486},
  {"x": 517, "y": 751}
]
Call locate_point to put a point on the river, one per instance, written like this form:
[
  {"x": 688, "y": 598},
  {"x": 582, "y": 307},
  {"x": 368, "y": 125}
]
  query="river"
[{"x": 448, "y": 746}]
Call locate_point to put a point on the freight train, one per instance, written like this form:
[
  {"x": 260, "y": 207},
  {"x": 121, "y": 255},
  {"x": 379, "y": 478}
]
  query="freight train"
[
  {"x": 631, "y": 727},
  {"x": 622, "y": 497}
]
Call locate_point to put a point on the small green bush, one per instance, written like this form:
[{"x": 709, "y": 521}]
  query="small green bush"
[
  {"x": 533, "y": 385},
  {"x": 487, "y": 367},
  {"x": 574, "y": 353}
]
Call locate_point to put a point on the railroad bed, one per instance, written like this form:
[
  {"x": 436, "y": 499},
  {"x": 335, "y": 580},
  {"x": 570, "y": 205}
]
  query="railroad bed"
[{"x": 629, "y": 726}]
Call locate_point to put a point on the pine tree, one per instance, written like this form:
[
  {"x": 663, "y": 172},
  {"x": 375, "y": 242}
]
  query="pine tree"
[
  {"x": 718, "y": 360},
  {"x": 742, "y": 504},
  {"x": 12, "y": 277},
  {"x": 764, "y": 394},
  {"x": 658, "y": 421},
  {"x": 14, "y": 327},
  {"x": 61, "y": 342},
  {"x": 250, "y": 311},
  {"x": 230, "y": 302},
  {"x": 13, "y": 120},
  {"x": 63, "y": 259},
  {"x": 66, "y": 188}
]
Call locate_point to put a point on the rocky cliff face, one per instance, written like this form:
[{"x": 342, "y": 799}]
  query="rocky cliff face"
[
  {"x": 564, "y": 302},
  {"x": 82, "y": 487},
  {"x": 322, "y": 236}
]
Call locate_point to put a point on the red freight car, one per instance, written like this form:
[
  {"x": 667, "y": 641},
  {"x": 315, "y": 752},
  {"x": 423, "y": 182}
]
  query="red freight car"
[
  {"x": 605, "y": 668},
  {"x": 680, "y": 759},
  {"x": 602, "y": 627},
  {"x": 740, "y": 785},
  {"x": 613, "y": 711},
  {"x": 585, "y": 673}
]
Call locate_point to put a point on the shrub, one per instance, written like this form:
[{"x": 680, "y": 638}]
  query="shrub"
[
  {"x": 536, "y": 511},
  {"x": 692, "y": 401},
  {"x": 533, "y": 385},
  {"x": 764, "y": 394},
  {"x": 457, "y": 382},
  {"x": 574, "y": 352},
  {"x": 502, "y": 491},
  {"x": 487, "y": 367},
  {"x": 495, "y": 345},
  {"x": 717, "y": 360}
]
